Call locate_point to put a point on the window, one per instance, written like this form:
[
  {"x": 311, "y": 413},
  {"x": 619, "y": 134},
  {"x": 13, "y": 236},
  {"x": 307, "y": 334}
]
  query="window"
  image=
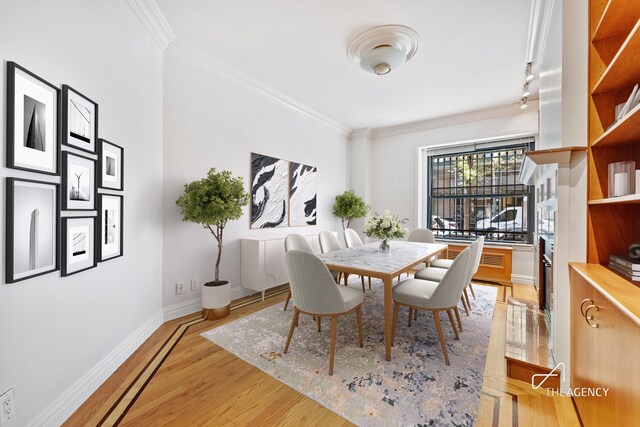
[{"x": 475, "y": 192}]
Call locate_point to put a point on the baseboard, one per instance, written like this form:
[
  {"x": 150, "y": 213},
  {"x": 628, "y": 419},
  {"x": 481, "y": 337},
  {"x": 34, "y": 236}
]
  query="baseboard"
[
  {"x": 66, "y": 404},
  {"x": 521, "y": 279},
  {"x": 182, "y": 309}
]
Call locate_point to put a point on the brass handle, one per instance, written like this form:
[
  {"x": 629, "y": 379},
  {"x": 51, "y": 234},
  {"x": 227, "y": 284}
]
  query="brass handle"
[
  {"x": 582, "y": 305},
  {"x": 587, "y": 318}
]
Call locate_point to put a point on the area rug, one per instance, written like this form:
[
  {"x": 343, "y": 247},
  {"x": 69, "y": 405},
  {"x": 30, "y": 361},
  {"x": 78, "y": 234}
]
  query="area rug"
[{"x": 415, "y": 388}]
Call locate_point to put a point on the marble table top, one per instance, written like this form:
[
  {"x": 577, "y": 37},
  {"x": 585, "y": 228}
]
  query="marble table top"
[{"x": 369, "y": 257}]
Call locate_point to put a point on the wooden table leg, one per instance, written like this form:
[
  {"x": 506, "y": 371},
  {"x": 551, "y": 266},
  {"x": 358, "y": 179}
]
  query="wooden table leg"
[{"x": 388, "y": 315}]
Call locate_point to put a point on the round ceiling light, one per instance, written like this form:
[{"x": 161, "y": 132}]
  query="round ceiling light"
[{"x": 380, "y": 50}]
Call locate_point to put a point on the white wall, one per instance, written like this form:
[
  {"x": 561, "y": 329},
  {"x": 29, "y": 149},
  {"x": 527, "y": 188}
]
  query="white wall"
[
  {"x": 209, "y": 122},
  {"x": 56, "y": 330}
]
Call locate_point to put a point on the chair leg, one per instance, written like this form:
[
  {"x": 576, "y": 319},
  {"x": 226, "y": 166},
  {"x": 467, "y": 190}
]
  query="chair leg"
[
  {"x": 466, "y": 297},
  {"x": 359, "y": 319},
  {"x": 318, "y": 319},
  {"x": 453, "y": 324},
  {"x": 334, "y": 328},
  {"x": 362, "y": 280},
  {"x": 338, "y": 277},
  {"x": 346, "y": 279},
  {"x": 410, "y": 317},
  {"x": 394, "y": 325},
  {"x": 436, "y": 316},
  {"x": 294, "y": 323},
  {"x": 472, "y": 291},
  {"x": 287, "y": 302},
  {"x": 369, "y": 283},
  {"x": 464, "y": 304},
  {"x": 458, "y": 317}
]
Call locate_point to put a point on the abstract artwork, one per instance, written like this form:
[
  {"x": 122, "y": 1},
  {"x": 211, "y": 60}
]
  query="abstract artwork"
[
  {"x": 110, "y": 165},
  {"x": 110, "y": 233},
  {"x": 32, "y": 121},
  {"x": 269, "y": 191},
  {"x": 79, "y": 120},
  {"x": 32, "y": 230},
  {"x": 303, "y": 192},
  {"x": 78, "y": 245},
  {"x": 78, "y": 182}
]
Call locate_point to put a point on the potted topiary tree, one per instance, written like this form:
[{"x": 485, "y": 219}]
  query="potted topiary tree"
[
  {"x": 349, "y": 206},
  {"x": 212, "y": 202}
]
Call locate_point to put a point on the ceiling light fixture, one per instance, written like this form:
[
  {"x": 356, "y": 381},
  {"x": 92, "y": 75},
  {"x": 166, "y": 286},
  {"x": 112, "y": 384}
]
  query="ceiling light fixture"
[
  {"x": 380, "y": 50},
  {"x": 528, "y": 74},
  {"x": 525, "y": 90},
  {"x": 523, "y": 103}
]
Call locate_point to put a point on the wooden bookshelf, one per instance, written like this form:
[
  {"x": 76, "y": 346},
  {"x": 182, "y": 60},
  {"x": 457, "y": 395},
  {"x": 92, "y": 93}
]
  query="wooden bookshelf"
[{"x": 618, "y": 17}]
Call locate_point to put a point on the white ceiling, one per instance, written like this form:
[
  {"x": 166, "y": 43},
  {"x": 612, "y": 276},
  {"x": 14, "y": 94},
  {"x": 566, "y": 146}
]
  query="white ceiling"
[{"x": 471, "y": 54}]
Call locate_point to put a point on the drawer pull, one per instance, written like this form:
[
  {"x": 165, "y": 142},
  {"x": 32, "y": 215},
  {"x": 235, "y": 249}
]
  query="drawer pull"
[
  {"x": 582, "y": 305},
  {"x": 588, "y": 318}
]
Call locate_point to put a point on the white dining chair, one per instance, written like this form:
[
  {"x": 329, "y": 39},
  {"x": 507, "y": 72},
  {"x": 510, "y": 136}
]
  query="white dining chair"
[
  {"x": 353, "y": 240},
  {"x": 317, "y": 294},
  {"x": 422, "y": 235},
  {"x": 295, "y": 242},
  {"x": 419, "y": 294},
  {"x": 329, "y": 243}
]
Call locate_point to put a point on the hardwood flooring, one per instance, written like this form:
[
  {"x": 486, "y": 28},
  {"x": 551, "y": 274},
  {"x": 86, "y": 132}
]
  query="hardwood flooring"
[{"x": 179, "y": 378}]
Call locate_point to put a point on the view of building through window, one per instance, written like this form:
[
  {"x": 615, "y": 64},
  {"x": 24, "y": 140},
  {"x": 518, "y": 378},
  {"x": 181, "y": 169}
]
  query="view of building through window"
[{"x": 477, "y": 193}]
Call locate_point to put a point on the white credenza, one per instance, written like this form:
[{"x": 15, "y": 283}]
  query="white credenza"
[{"x": 262, "y": 262}]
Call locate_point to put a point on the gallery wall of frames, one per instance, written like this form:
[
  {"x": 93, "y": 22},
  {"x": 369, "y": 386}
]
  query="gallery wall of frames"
[{"x": 69, "y": 226}]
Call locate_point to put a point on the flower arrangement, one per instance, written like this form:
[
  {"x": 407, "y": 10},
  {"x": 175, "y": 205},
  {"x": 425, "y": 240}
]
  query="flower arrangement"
[{"x": 384, "y": 227}]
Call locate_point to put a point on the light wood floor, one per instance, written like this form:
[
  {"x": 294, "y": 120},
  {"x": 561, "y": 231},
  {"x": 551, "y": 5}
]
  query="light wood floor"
[{"x": 198, "y": 383}]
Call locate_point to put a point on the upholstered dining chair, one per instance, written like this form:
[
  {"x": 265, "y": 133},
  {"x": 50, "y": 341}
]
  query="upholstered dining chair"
[
  {"x": 297, "y": 242},
  {"x": 329, "y": 243},
  {"x": 318, "y": 295},
  {"x": 422, "y": 235},
  {"x": 352, "y": 239},
  {"x": 434, "y": 296},
  {"x": 436, "y": 273}
]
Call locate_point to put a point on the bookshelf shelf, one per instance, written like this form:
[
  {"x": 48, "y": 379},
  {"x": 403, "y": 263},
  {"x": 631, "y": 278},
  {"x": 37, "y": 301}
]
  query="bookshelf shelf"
[
  {"x": 631, "y": 199},
  {"x": 618, "y": 18},
  {"x": 623, "y": 132},
  {"x": 624, "y": 70}
]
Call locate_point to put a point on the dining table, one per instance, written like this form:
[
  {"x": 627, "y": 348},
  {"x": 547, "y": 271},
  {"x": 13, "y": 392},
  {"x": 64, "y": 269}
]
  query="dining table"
[{"x": 369, "y": 260}]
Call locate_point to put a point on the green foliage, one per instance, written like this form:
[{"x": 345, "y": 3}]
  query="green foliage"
[
  {"x": 214, "y": 200},
  {"x": 349, "y": 206}
]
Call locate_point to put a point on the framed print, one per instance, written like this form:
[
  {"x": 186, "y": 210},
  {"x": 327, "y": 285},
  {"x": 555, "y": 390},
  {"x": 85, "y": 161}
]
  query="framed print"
[
  {"x": 110, "y": 223},
  {"x": 269, "y": 191},
  {"x": 79, "y": 120},
  {"x": 110, "y": 165},
  {"x": 32, "y": 122},
  {"x": 32, "y": 229},
  {"x": 78, "y": 244},
  {"x": 78, "y": 182},
  {"x": 303, "y": 192}
]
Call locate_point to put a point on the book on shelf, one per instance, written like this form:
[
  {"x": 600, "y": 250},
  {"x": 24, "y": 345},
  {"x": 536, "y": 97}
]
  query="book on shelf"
[
  {"x": 632, "y": 101},
  {"x": 629, "y": 275},
  {"x": 625, "y": 262}
]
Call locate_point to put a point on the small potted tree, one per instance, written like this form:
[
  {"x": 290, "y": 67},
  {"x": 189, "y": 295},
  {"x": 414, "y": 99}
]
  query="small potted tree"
[
  {"x": 349, "y": 206},
  {"x": 212, "y": 202}
]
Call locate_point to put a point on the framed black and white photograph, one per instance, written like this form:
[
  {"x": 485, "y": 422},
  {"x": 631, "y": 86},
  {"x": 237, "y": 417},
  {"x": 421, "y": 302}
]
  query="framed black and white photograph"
[
  {"x": 78, "y": 244},
  {"x": 79, "y": 120},
  {"x": 303, "y": 192},
  {"x": 31, "y": 229},
  {"x": 110, "y": 223},
  {"x": 33, "y": 106},
  {"x": 110, "y": 165},
  {"x": 269, "y": 191},
  {"x": 78, "y": 182}
]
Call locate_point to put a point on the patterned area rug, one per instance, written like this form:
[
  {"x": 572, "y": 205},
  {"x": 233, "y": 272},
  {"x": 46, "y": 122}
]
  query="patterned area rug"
[{"x": 415, "y": 388}]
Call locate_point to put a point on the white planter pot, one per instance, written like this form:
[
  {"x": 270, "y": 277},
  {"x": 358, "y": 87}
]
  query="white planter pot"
[{"x": 216, "y": 300}]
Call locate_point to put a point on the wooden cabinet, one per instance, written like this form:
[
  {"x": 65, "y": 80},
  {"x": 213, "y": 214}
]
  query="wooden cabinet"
[{"x": 605, "y": 346}]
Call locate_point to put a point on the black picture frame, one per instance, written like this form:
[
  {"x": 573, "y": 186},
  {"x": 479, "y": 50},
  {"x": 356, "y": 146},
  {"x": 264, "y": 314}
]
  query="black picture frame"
[
  {"x": 13, "y": 149},
  {"x": 10, "y": 255},
  {"x": 65, "y": 270},
  {"x": 66, "y": 202},
  {"x": 68, "y": 138},
  {"x": 101, "y": 232},
  {"x": 102, "y": 183}
]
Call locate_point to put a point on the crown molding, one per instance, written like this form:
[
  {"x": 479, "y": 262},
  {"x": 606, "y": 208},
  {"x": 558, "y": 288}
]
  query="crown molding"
[
  {"x": 452, "y": 120},
  {"x": 360, "y": 133},
  {"x": 153, "y": 21},
  {"x": 544, "y": 28},
  {"x": 195, "y": 57}
]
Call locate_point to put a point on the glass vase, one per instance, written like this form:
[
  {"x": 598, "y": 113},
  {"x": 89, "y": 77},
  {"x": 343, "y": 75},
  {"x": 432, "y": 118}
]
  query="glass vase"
[{"x": 384, "y": 246}]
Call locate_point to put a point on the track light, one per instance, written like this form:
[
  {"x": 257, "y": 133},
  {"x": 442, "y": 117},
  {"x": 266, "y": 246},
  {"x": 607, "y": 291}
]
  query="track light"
[
  {"x": 528, "y": 74},
  {"x": 523, "y": 103},
  {"x": 525, "y": 90}
]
